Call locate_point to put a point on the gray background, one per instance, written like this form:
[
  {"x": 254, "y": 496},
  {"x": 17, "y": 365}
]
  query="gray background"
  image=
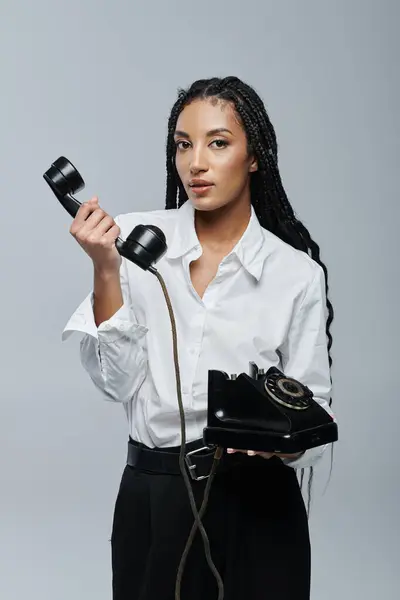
[{"x": 95, "y": 80}]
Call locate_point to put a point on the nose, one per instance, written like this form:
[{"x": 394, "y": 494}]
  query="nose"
[{"x": 198, "y": 162}]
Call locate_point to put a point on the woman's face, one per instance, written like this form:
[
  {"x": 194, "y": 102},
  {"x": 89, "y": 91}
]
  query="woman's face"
[{"x": 212, "y": 156}]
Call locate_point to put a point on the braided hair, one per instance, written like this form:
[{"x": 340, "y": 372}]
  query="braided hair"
[{"x": 268, "y": 196}]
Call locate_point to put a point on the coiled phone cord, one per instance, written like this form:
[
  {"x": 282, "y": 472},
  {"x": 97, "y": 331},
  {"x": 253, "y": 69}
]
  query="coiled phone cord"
[{"x": 217, "y": 456}]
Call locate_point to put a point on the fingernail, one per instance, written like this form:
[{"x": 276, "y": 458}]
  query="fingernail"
[
  {"x": 251, "y": 452},
  {"x": 230, "y": 450}
]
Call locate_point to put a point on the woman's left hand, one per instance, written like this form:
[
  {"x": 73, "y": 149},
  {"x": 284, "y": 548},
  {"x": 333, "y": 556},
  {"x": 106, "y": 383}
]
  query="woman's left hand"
[{"x": 265, "y": 454}]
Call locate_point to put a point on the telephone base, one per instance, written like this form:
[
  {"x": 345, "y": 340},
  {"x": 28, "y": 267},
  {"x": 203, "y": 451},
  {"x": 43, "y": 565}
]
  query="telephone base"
[{"x": 264, "y": 441}]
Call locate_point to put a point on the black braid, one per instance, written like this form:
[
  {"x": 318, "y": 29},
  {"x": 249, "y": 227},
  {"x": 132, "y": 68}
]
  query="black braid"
[{"x": 268, "y": 196}]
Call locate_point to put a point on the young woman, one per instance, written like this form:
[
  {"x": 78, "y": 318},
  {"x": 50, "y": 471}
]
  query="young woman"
[{"x": 246, "y": 284}]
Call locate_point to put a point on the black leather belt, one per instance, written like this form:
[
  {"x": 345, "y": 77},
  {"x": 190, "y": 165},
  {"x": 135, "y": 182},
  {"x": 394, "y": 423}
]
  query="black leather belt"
[{"x": 198, "y": 459}]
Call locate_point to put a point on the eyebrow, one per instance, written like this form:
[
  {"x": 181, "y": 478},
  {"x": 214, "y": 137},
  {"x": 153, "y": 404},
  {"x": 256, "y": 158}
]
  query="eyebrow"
[{"x": 209, "y": 133}]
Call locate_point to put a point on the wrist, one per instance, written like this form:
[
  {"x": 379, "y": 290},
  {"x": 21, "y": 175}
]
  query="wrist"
[
  {"x": 296, "y": 455},
  {"x": 106, "y": 274}
]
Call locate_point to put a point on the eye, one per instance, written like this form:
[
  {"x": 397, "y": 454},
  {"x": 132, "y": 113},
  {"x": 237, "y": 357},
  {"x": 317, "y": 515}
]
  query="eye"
[
  {"x": 220, "y": 143},
  {"x": 179, "y": 145}
]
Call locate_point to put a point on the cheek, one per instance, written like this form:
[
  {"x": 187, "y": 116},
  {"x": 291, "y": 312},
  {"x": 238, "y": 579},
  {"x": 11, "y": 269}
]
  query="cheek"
[
  {"x": 180, "y": 166},
  {"x": 233, "y": 168}
]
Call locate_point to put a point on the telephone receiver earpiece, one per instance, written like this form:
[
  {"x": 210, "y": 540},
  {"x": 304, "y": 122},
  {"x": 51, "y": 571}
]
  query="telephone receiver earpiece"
[{"x": 145, "y": 245}]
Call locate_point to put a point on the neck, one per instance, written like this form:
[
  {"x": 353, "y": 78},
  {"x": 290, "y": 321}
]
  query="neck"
[{"x": 222, "y": 228}]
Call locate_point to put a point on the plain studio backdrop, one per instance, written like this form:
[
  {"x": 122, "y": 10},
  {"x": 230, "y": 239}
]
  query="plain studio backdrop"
[{"x": 94, "y": 81}]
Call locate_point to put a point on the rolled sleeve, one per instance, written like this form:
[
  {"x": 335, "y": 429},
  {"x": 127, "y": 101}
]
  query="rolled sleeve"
[
  {"x": 113, "y": 354},
  {"x": 123, "y": 322},
  {"x": 305, "y": 356}
]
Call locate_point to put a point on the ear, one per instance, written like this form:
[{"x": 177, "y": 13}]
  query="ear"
[{"x": 253, "y": 165}]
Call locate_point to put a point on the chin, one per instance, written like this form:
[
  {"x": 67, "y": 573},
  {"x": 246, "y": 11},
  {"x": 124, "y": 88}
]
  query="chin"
[{"x": 207, "y": 204}]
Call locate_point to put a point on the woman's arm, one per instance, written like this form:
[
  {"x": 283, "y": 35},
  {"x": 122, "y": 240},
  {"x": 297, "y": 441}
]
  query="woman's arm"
[
  {"x": 112, "y": 349},
  {"x": 305, "y": 356},
  {"x": 107, "y": 295}
]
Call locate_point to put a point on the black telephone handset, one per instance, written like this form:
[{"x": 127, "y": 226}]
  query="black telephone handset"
[{"x": 145, "y": 244}]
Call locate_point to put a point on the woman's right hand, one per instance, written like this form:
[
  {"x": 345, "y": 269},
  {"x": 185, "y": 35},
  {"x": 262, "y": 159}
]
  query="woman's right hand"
[{"x": 96, "y": 232}]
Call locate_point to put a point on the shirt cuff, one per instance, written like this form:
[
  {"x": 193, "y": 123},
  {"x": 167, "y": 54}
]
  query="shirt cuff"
[{"x": 119, "y": 325}]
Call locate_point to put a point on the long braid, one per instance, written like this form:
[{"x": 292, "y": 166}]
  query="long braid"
[{"x": 268, "y": 195}]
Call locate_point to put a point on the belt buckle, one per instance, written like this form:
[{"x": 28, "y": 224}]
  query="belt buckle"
[{"x": 192, "y": 467}]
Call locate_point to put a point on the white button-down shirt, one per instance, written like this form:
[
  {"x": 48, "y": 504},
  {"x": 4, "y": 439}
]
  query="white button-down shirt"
[{"x": 266, "y": 304}]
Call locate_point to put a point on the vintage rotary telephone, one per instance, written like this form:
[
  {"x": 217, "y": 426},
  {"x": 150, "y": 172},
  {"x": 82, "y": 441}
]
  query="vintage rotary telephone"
[{"x": 266, "y": 412}]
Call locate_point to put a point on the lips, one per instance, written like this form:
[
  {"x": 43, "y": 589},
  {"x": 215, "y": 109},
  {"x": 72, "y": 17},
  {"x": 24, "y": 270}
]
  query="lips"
[
  {"x": 200, "y": 186},
  {"x": 195, "y": 183},
  {"x": 201, "y": 190}
]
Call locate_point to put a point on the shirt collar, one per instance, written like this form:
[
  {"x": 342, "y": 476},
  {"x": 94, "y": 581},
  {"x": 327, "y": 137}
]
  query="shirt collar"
[{"x": 251, "y": 250}]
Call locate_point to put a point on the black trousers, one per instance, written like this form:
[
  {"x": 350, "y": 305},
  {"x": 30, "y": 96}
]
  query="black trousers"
[{"x": 256, "y": 522}]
